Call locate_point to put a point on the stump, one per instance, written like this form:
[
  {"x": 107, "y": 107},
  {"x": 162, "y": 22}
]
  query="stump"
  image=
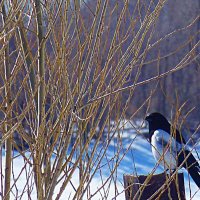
[{"x": 160, "y": 186}]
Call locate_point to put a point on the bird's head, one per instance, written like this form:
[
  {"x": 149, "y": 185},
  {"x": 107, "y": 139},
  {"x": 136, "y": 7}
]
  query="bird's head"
[
  {"x": 155, "y": 117},
  {"x": 157, "y": 120}
]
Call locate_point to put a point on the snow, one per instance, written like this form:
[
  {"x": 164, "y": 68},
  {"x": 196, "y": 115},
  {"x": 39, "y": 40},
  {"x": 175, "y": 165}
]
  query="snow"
[{"x": 136, "y": 158}]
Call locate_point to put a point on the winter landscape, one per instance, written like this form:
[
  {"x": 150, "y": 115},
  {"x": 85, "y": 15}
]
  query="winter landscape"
[
  {"x": 79, "y": 80},
  {"x": 135, "y": 158}
]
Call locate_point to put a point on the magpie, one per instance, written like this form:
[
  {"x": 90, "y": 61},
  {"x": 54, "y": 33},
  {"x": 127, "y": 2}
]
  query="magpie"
[{"x": 169, "y": 147}]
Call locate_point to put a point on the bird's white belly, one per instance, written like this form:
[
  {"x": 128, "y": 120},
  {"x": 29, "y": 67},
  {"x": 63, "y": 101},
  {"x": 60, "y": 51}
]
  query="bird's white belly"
[{"x": 163, "y": 151}]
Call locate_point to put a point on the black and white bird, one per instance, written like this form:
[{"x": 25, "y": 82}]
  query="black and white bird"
[{"x": 169, "y": 147}]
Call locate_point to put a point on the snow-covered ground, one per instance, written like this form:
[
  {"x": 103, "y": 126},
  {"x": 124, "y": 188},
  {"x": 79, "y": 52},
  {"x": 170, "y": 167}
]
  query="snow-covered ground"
[{"x": 138, "y": 160}]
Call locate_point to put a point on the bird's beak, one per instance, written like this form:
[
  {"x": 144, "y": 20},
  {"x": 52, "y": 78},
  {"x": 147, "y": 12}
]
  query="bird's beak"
[{"x": 148, "y": 118}]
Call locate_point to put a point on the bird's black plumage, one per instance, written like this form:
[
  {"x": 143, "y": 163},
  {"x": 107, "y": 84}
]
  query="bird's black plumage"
[
  {"x": 160, "y": 127},
  {"x": 158, "y": 121}
]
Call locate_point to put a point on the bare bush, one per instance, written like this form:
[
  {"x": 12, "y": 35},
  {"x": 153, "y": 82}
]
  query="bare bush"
[{"x": 68, "y": 69}]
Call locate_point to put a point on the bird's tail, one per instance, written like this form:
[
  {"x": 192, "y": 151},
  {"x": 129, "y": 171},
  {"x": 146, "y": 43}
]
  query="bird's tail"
[
  {"x": 191, "y": 165},
  {"x": 195, "y": 174}
]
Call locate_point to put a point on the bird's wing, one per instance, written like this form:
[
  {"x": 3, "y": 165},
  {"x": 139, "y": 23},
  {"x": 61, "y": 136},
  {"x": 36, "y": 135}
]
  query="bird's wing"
[
  {"x": 179, "y": 137},
  {"x": 165, "y": 139}
]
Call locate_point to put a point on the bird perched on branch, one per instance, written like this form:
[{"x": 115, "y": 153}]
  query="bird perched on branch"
[{"x": 169, "y": 147}]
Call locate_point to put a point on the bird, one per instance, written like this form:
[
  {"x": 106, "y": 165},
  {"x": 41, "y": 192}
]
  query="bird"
[{"x": 169, "y": 148}]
